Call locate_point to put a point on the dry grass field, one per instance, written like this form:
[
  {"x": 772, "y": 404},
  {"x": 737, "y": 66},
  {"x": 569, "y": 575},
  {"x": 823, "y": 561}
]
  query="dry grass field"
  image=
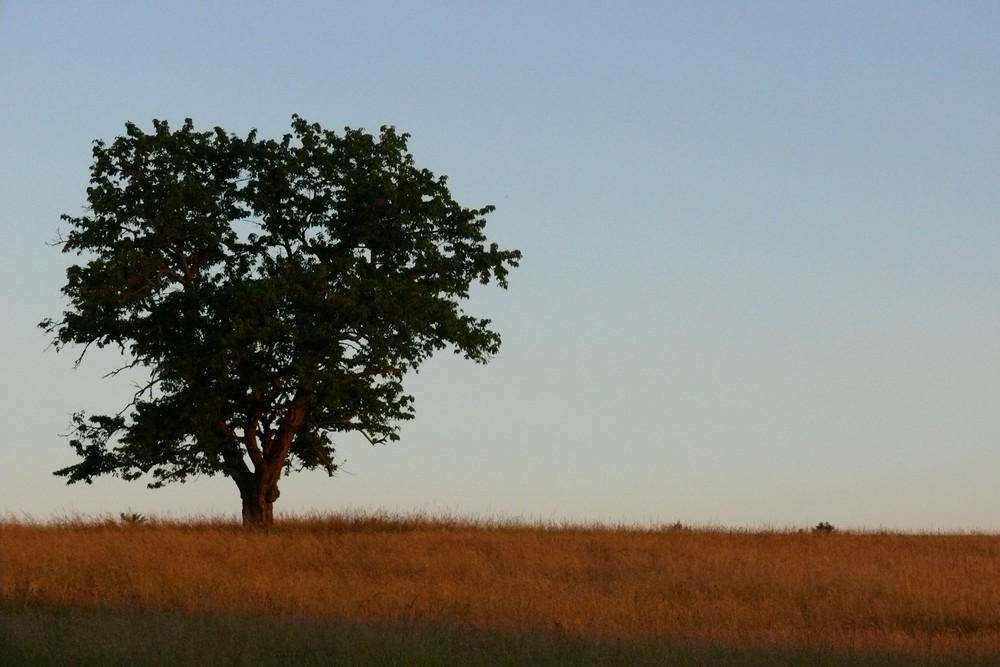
[{"x": 415, "y": 591}]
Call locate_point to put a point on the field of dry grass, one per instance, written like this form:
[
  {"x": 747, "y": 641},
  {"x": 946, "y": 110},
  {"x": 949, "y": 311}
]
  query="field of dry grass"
[{"x": 390, "y": 590}]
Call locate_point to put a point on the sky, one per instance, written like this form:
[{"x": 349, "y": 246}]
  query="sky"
[{"x": 761, "y": 243}]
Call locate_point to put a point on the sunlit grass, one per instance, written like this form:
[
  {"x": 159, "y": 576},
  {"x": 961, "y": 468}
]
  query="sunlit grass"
[{"x": 519, "y": 592}]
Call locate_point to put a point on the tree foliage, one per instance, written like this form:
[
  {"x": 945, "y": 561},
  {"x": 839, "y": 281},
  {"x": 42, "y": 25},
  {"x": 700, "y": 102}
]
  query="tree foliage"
[{"x": 276, "y": 292}]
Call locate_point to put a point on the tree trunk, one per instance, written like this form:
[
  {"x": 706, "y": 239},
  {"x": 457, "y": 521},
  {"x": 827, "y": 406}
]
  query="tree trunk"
[
  {"x": 259, "y": 488},
  {"x": 258, "y": 503}
]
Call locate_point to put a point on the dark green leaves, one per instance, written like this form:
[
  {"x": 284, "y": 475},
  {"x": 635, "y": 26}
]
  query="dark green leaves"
[{"x": 278, "y": 292}]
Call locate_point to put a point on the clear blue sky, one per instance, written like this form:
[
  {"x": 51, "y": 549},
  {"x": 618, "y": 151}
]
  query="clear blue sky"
[{"x": 761, "y": 240}]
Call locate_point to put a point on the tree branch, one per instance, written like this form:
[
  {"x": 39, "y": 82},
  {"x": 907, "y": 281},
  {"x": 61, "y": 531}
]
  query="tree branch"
[
  {"x": 236, "y": 467},
  {"x": 250, "y": 440}
]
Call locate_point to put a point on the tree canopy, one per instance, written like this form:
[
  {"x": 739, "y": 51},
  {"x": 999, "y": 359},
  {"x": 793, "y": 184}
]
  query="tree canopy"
[{"x": 276, "y": 292}]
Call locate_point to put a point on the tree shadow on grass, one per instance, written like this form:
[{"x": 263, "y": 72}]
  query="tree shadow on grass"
[{"x": 39, "y": 636}]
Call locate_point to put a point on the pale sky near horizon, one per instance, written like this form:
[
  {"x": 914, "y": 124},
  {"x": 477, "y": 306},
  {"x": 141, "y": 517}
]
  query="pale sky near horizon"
[{"x": 761, "y": 247}]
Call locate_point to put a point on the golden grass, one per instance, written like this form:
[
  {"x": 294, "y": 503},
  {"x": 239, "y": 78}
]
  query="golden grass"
[{"x": 637, "y": 594}]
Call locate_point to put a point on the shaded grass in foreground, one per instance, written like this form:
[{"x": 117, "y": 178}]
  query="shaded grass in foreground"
[{"x": 70, "y": 637}]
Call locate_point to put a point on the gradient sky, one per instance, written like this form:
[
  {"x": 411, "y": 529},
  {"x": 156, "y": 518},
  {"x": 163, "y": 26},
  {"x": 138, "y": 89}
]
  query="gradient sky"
[{"x": 761, "y": 244}]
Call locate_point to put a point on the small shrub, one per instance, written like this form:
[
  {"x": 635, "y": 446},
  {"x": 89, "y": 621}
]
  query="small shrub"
[
  {"x": 824, "y": 527},
  {"x": 131, "y": 518}
]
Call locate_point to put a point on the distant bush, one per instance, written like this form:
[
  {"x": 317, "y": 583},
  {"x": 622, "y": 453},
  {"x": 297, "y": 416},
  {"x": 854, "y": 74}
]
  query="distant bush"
[
  {"x": 132, "y": 518},
  {"x": 824, "y": 527}
]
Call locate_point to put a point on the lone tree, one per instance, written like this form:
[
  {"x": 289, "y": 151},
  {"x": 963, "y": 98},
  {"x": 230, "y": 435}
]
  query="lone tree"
[{"x": 276, "y": 292}]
